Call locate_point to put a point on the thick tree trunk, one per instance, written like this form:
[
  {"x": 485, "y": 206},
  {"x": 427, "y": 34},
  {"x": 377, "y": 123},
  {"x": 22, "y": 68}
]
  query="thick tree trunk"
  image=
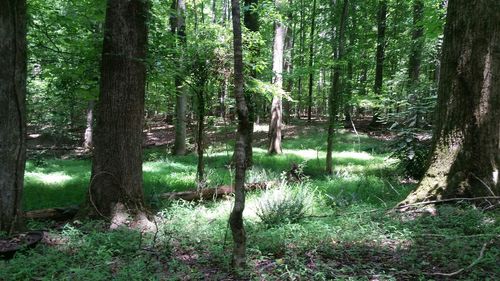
[
  {"x": 116, "y": 181},
  {"x": 179, "y": 29},
  {"x": 380, "y": 56},
  {"x": 236, "y": 217},
  {"x": 276, "y": 107},
  {"x": 12, "y": 112},
  {"x": 87, "y": 137},
  {"x": 465, "y": 158},
  {"x": 311, "y": 62},
  {"x": 335, "y": 98}
]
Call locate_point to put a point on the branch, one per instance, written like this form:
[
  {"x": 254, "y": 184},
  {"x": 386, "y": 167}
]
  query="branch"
[{"x": 447, "y": 200}]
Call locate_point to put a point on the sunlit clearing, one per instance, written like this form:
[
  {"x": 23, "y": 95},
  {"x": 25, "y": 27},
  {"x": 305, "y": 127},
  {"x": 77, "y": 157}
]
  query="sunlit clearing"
[
  {"x": 354, "y": 155},
  {"x": 52, "y": 178}
]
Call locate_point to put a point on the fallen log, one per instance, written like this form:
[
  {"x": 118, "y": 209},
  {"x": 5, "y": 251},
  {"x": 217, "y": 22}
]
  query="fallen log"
[
  {"x": 213, "y": 193},
  {"x": 57, "y": 214}
]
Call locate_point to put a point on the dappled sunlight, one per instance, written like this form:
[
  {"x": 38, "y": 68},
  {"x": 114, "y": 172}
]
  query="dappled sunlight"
[{"x": 57, "y": 178}]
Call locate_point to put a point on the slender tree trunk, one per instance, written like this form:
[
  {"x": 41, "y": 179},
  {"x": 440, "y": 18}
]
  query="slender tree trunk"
[
  {"x": 335, "y": 92},
  {"x": 311, "y": 62},
  {"x": 179, "y": 29},
  {"x": 199, "y": 136},
  {"x": 301, "y": 58},
  {"x": 380, "y": 56},
  {"x": 417, "y": 42},
  {"x": 236, "y": 217},
  {"x": 116, "y": 181},
  {"x": 251, "y": 20},
  {"x": 87, "y": 138},
  {"x": 276, "y": 107},
  {"x": 12, "y": 112},
  {"x": 465, "y": 158}
]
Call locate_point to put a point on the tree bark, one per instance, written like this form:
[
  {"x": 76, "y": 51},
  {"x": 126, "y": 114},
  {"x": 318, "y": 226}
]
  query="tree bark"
[
  {"x": 12, "y": 112},
  {"x": 417, "y": 43},
  {"x": 179, "y": 29},
  {"x": 276, "y": 107},
  {"x": 236, "y": 217},
  {"x": 465, "y": 158},
  {"x": 380, "y": 56},
  {"x": 311, "y": 62},
  {"x": 251, "y": 20},
  {"x": 117, "y": 162},
  {"x": 334, "y": 97}
]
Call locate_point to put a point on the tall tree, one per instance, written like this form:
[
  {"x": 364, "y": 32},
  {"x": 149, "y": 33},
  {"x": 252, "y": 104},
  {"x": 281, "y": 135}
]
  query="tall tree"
[
  {"x": 277, "y": 104},
  {"x": 236, "y": 217},
  {"x": 251, "y": 20},
  {"x": 417, "y": 42},
  {"x": 380, "y": 55},
  {"x": 116, "y": 180},
  {"x": 311, "y": 62},
  {"x": 334, "y": 97},
  {"x": 12, "y": 112},
  {"x": 466, "y": 141},
  {"x": 178, "y": 28}
]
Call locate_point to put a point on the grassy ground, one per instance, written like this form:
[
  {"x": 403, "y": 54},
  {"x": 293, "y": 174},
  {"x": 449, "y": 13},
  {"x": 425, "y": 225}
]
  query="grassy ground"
[{"x": 346, "y": 232}]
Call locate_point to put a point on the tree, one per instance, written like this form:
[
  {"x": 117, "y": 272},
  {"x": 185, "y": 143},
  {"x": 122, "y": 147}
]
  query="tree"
[
  {"x": 465, "y": 158},
  {"x": 251, "y": 20},
  {"x": 311, "y": 62},
  {"x": 12, "y": 112},
  {"x": 276, "y": 106},
  {"x": 178, "y": 28},
  {"x": 116, "y": 180},
  {"x": 334, "y": 98},
  {"x": 236, "y": 217},
  {"x": 380, "y": 55}
]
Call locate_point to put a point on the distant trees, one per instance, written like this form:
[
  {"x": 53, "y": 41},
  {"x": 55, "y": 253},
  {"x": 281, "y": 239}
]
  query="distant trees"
[
  {"x": 12, "y": 112},
  {"x": 465, "y": 159},
  {"x": 116, "y": 181}
]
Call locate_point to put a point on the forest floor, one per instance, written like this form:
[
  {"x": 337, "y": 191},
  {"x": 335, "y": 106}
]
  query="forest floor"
[{"x": 347, "y": 232}]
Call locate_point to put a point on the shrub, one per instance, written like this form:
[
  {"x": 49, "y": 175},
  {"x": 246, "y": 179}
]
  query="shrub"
[
  {"x": 412, "y": 153},
  {"x": 285, "y": 204}
]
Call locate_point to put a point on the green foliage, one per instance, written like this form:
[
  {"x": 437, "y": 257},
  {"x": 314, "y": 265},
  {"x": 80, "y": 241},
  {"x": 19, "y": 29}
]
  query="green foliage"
[
  {"x": 412, "y": 153},
  {"x": 285, "y": 204}
]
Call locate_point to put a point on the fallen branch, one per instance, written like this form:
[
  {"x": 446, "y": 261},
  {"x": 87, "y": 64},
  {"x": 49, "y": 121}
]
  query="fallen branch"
[
  {"x": 213, "y": 193},
  {"x": 446, "y": 200},
  {"x": 57, "y": 214}
]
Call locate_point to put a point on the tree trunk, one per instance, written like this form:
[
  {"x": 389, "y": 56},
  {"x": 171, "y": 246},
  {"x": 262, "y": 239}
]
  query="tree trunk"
[
  {"x": 311, "y": 63},
  {"x": 87, "y": 138},
  {"x": 200, "y": 145},
  {"x": 251, "y": 20},
  {"x": 276, "y": 107},
  {"x": 417, "y": 42},
  {"x": 465, "y": 158},
  {"x": 380, "y": 56},
  {"x": 179, "y": 29},
  {"x": 117, "y": 162},
  {"x": 236, "y": 217},
  {"x": 301, "y": 58},
  {"x": 12, "y": 112},
  {"x": 335, "y": 92}
]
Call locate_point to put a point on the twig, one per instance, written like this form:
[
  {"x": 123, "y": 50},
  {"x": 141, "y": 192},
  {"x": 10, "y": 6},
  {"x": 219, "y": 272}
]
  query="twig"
[
  {"x": 476, "y": 261},
  {"x": 357, "y": 135},
  {"x": 446, "y": 200},
  {"x": 392, "y": 187},
  {"x": 487, "y": 186},
  {"x": 90, "y": 191}
]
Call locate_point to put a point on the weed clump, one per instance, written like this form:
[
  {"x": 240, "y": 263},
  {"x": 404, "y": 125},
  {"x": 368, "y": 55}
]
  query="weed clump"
[{"x": 285, "y": 204}]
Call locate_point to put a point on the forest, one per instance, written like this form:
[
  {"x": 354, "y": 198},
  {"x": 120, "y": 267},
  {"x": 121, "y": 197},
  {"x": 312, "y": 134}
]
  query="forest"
[{"x": 249, "y": 140}]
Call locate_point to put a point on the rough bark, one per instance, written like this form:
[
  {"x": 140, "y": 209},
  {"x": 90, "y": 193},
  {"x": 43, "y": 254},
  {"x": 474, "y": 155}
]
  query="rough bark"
[
  {"x": 380, "y": 55},
  {"x": 334, "y": 98},
  {"x": 116, "y": 181},
  {"x": 12, "y": 112},
  {"x": 236, "y": 217},
  {"x": 311, "y": 62},
  {"x": 251, "y": 20},
  {"x": 179, "y": 29},
  {"x": 276, "y": 106},
  {"x": 465, "y": 158}
]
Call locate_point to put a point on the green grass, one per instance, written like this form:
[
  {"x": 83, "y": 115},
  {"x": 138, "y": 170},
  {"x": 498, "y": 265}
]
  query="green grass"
[{"x": 347, "y": 234}]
